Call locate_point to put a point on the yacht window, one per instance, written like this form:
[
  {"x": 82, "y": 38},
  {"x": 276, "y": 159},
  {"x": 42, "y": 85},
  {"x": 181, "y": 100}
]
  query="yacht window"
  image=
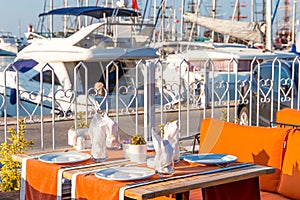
[
  {"x": 266, "y": 73},
  {"x": 47, "y": 77}
]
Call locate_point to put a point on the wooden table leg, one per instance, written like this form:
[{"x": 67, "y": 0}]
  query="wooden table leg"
[
  {"x": 183, "y": 196},
  {"x": 246, "y": 189}
]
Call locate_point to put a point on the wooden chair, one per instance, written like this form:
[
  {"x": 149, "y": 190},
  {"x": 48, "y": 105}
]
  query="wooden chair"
[{"x": 196, "y": 140}]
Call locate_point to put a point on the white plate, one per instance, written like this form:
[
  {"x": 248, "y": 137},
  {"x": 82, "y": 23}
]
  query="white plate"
[
  {"x": 64, "y": 157},
  {"x": 210, "y": 158},
  {"x": 125, "y": 173}
]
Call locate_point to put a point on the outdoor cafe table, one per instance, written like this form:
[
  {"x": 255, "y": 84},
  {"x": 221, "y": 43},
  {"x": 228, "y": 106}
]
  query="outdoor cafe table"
[{"x": 48, "y": 181}]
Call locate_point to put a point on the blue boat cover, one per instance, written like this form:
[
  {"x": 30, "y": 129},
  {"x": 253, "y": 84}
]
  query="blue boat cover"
[
  {"x": 92, "y": 11},
  {"x": 23, "y": 65}
]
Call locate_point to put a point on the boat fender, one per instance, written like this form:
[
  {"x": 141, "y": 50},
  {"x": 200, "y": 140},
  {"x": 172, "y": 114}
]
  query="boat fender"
[
  {"x": 294, "y": 49},
  {"x": 13, "y": 96}
]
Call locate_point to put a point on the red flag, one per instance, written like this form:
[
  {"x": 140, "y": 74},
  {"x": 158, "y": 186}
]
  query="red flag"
[{"x": 134, "y": 5}]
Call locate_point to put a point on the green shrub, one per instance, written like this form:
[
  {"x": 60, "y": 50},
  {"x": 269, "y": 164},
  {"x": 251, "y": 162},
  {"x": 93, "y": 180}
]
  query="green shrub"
[{"x": 10, "y": 171}]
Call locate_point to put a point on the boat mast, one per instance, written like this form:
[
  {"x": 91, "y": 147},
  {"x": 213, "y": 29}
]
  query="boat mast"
[
  {"x": 174, "y": 33},
  {"x": 269, "y": 25},
  {"x": 237, "y": 4},
  {"x": 293, "y": 21},
  {"x": 65, "y": 17},
  {"x": 181, "y": 18},
  {"x": 213, "y": 16},
  {"x": 86, "y": 18},
  {"x": 197, "y": 12},
  {"x": 163, "y": 9},
  {"x": 51, "y": 19},
  {"x": 252, "y": 10}
]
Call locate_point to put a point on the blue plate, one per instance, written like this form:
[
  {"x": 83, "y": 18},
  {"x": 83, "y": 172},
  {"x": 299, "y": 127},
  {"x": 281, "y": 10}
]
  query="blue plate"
[{"x": 210, "y": 158}]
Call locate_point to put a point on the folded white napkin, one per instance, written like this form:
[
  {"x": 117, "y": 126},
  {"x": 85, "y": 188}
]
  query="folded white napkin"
[
  {"x": 103, "y": 132},
  {"x": 163, "y": 160},
  {"x": 171, "y": 133},
  {"x": 111, "y": 130}
]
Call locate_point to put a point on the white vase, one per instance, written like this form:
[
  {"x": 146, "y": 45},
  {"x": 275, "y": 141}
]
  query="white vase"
[{"x": 138, "y": 153}]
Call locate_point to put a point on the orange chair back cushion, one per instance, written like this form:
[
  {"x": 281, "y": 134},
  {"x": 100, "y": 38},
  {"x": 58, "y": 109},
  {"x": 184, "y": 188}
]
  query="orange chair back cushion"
[
  {"x": 288, "y": 116},
  {"x": 290, "y": 178},
  {"x": 261, "y": 145}
]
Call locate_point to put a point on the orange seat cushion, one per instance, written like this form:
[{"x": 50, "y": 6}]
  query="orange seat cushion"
[
  {"x": 163, "y": 198},
  {"x": 271, "y": 196},
  {"x": 290, "y": 178},
  {"x": 288, "y": 116},
  {"x": 261, "y": 145}
]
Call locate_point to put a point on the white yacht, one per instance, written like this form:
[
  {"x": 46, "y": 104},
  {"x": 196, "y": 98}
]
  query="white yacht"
[
  {"x": 199, "y": 64},
  {"x": 77, "y": 62},
  {"x": 8, "y": 44}
]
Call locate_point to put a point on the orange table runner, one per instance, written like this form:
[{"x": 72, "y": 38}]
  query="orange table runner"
[
  {"x": 41, "y": 179},
  {"x": 88, "y": 186}
]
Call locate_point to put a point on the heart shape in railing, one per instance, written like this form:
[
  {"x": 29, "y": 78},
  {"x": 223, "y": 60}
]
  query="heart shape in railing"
[
  {"x": 197, "y": 92},
  {"x": 64, "y": 100},
  {"x": 97, "y": 98},
  {"x": 168, "y": 105},
  {"x": 170, "y": 94},
  {"x": 34, "y": 100},
  {"x": 223, "y": 88},
  {"x": 125, "y": 91},
  {"x": 265, "y": 85},
  {"x": 286, "y": 86},
  {"x": 246, "y": 87}
]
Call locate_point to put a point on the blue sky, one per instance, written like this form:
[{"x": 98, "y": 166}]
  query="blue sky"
[{"x": 15, "y": 15}]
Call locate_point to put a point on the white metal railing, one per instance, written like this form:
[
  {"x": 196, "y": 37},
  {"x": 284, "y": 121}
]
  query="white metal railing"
[{"x": 216, "y": 94}]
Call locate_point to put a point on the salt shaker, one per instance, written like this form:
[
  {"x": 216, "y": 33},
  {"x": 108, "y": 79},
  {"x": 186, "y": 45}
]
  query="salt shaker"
[{"x": 125, "y": 147}]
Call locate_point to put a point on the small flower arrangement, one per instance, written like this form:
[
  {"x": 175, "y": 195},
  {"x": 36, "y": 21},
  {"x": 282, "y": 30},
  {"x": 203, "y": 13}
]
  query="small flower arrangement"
[
  {"x": 138, "y": 149},
  {"x": 138, "y": 140}
]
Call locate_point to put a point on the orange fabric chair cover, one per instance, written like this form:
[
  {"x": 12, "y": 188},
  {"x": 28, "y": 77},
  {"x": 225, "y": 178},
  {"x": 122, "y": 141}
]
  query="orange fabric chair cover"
[
  {"x": 288, "y": 116},
  {"x": 290, "y": 178},
  {"x": 261, "y": 145}
]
